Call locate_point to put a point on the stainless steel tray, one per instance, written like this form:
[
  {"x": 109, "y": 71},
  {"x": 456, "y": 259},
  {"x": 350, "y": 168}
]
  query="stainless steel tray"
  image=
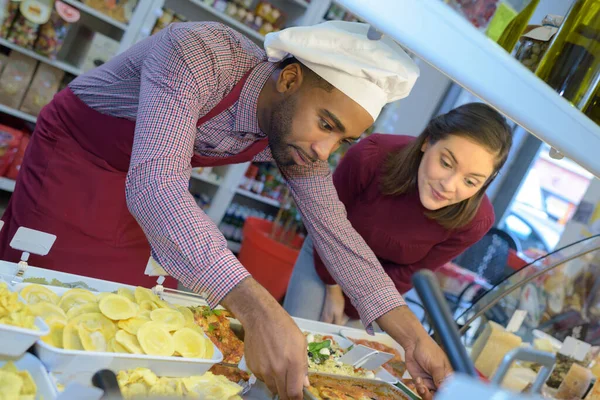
[{"x": 380, "y": 387}]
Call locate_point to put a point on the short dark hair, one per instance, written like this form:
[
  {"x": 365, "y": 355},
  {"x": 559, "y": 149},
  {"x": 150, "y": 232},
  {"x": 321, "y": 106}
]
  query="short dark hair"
[
  {"x": 311, "y": 77},
  {"x": 475, "y": 121}
]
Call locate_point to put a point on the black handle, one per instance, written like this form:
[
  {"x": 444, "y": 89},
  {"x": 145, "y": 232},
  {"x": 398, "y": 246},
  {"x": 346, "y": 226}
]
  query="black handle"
[
  {"x": 429, "y": 291},
  {"x": 106, "y": 380}
]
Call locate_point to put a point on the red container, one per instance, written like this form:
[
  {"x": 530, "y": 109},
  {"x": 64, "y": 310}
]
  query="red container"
[{"x": 270, "y": 262}]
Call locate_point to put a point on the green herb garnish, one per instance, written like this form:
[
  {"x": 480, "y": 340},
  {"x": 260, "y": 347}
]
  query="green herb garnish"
[{"x": 314, "y": 349}]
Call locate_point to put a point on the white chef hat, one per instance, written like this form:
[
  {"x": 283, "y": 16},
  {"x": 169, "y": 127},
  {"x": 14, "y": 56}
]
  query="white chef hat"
[{"x": 370, "y": 72}]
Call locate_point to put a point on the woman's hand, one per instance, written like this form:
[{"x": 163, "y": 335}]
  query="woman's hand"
[{"x": 333, "y": 309}]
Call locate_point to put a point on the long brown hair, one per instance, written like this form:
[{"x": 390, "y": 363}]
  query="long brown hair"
[{"x": 477, "y": 122}]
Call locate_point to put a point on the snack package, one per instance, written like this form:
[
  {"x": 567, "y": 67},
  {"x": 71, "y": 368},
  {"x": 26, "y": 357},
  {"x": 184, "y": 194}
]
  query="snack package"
[
  {"x": 269, "y": 13},
  {"x": 10, "y": 138},
  {"x": 164, "y": 20},
  {"x": 119, "y": 10},
  {"x": 32, "y": 14},
  {"x": 15, "y": 79},
  {"x": 10, "y": 13},
  {"x": 52, "y": 34},
  {"x": 43, "y": 87},
  {"x": 14, "y": 168},
  {"x": 101, "y": 50},
  {"x": 535, "y": 41}
]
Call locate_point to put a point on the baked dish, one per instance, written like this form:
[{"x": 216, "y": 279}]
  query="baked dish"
[
  {"x": 233, "y": 374},
  {"x": 325, "y": 387},
  {"x": 217, "y": 327}
]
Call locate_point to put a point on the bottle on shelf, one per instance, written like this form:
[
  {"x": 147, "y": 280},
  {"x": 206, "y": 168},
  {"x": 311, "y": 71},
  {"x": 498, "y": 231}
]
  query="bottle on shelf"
[
  {"x": 494, "y": 17},
  {"x": 226, "y": 223},
  {"x": 511, "y": 34},
  {"x": 571, "y": 66}
]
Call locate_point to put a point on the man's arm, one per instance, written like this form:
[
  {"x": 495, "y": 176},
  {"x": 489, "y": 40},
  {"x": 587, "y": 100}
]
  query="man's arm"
[
  {"x": 348, "y": 258},
  {"x": 183, "y": 238}
]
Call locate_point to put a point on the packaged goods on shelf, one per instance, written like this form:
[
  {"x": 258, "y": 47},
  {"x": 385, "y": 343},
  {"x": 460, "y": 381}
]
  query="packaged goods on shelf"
[
  {"x": 118, "y": 10},
  {"x": 102, "y": 49},
  {"x": 535, "y": 42},
  {"x": 15, "y": 166},
  {"x": 15, "y": 79},
  {"x": 10, "y": 14},
  {"x": 32, "y": 14},
  {"x": 52, "y": 34},
  {"x": 164, "y": 20},
  {"x": 10, "y": 140},
  {"x": 43, "y": 87}
]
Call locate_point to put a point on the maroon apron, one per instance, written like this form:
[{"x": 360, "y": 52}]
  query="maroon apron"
[{"x": 72, "y": 184}]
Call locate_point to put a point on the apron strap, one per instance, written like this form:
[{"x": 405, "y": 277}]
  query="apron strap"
[
  {"x": 246, "y": 154},
  {"x": 227, "y": 101}
]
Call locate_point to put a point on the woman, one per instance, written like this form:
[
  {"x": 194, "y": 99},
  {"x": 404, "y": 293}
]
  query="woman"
[{"x": 417, "y": 202}]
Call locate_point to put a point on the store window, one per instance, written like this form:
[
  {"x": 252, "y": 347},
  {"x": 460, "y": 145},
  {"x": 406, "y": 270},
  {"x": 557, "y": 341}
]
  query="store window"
[{"x": 547, "y": 199}]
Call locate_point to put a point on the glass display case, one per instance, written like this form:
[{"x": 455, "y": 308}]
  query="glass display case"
[{"x": 560, "y": 293}]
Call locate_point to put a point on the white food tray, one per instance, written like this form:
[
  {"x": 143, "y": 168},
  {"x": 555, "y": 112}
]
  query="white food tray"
[
  {"x": 79, "y": 365},
  {"x": 8, "y": 271},
  {"x": 15, "y": 341},
  {"x": 28, "y": 362},
  {"x": 335, "y": 332}
]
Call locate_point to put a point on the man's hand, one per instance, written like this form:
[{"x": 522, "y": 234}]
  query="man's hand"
[
  {"x": 333, "y": 309},
  {"x": 275, "y": 348},
  {"x": 427, "y": 365},
  {"x": 425, "y": 360}
]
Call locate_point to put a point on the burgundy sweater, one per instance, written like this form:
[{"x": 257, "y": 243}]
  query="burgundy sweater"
[{"x": 395, "y": 227}]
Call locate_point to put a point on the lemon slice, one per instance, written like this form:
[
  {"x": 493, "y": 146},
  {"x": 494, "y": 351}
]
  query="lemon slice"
[
  {"x": 142, "y": 294},
  {"x": 189, "y": 343},
  {"x": 55, "y": 337},
  {"x": 102, "y": 295},
  {"x": 71, "y": 340},
  {"x": 155, "y": 339},
  {"x": 147, "y": 305},
  {"x": 96, "y": 322},
  {"x": 37, "y": 293},
  {"x": 92, "y": 340},
  {"x": 188, "y": 315},
  {"x": 129, "y": 342},
  {"x": 117, "y": 307},
  {"x": 29, "y": 387},
  {"x": 171, "y": 319},
  {"x": 116, "y": 347},
  {"x": 126, "y": 293},
  {"x": 132, "y": 325},
  {"x": 45, "y": 310},
  {"x": 84, "y": 308},
  {"x": 75, "y": 297},
  {"x": 11, "y": 385}
]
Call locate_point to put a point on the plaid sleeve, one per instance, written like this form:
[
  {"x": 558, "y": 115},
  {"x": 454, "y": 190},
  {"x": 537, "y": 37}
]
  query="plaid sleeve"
[
  {"x": 345, "y": 254},
  {"x": 183, "y": 238}
]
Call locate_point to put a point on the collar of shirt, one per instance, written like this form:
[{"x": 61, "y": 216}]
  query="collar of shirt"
[{"x": 246, "y": 119}]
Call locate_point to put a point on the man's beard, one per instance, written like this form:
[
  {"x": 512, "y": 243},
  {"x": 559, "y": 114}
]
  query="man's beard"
[{"x": 280, "y": 130}]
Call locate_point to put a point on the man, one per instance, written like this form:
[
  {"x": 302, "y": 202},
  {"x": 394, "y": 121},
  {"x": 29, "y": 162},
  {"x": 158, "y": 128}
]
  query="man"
[{"x": 108, "y": 167}]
